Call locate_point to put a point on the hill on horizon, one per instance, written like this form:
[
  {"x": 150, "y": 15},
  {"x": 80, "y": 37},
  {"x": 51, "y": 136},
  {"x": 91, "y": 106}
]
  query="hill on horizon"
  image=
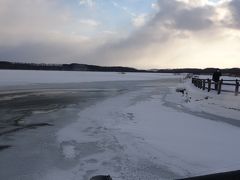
[{"x": 87, "y": 67}]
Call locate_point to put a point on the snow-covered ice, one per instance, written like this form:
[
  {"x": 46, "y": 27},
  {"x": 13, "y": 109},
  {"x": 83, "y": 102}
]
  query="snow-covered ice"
[
  {"x": 24, "y": 77},
  {"x": 137, "y": 130}
]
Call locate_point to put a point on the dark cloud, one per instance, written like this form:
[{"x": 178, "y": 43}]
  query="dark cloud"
[
  {"x": 35, "y": 52},
  {"x": 173, "y": 19},
  {"x": 234, "y": 7},
  {"x": 181, "y": 16},
  {"x": 194, "y": 19}
]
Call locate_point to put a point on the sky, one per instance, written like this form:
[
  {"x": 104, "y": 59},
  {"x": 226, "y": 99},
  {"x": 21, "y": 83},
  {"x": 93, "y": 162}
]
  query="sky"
[{"x": 145, "y": 34}]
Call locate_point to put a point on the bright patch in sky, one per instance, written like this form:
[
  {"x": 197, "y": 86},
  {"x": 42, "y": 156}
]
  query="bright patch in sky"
[{"x": 138, "y": 33}]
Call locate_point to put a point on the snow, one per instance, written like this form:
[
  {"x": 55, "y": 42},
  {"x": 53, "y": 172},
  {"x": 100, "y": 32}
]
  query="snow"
[
  {"x": 146, "y": 130},
  {"x": 68, "y": 151},
  {"x": 195, "y": 140},
  {"x": 23, "y": 77},
  {"x": 225, "y": 104},
  {"x": 149, "y": 131}
]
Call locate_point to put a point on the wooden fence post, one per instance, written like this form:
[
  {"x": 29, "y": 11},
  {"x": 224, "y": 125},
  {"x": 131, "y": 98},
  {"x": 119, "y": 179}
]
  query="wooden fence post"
[
  {"x": 200, "y": 83},
  {"x": 237, "y": 87},
  {"x": 219, "y": 86},
  {"x": 195, "y": 82},
  {"x": 209, "y": 85},
  {"x": 204, "y": 84}
]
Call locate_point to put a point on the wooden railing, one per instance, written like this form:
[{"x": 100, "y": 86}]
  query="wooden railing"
[{"x": 206, "y": 84}]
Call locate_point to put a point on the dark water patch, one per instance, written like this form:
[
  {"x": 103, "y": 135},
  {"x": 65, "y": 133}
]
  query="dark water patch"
[
  {"x": 29, "y": 126},
  {"x": 101, "y": 177},
  {"x": 37, "y": 106},
  {"x": 235, "y": 109},
  {"x": 3, "y": 147}
]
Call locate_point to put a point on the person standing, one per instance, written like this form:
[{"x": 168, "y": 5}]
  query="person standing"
[{"x": 216, "y": 77}]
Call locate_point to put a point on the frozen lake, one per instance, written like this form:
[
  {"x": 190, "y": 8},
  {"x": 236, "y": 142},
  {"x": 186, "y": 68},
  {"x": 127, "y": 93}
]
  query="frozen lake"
[
  {"x": 32, "y": 115},
  {"x": 131, "y": 130}
]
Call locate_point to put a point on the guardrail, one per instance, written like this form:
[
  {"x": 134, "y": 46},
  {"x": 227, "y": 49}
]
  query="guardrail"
[{"x": 206, "y": 84}]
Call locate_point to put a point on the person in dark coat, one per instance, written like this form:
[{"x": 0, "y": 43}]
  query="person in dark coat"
[{"x": 216, "y": 76}]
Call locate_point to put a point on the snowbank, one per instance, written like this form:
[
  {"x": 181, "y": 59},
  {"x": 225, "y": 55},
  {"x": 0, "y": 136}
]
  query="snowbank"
[
  {"x": 225, "y": 104},
  {"x": 196, "y": 144}
]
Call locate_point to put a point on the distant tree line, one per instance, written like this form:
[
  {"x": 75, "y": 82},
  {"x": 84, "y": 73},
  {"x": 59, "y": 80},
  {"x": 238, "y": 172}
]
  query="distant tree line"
[
  {"x": 86, "y": 67},
  {"x": 64, "y": 67},
  {"x": 230, "y": 71}
]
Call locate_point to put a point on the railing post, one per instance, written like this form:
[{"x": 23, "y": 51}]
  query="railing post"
[
  {"x": 201, "y": 84},
  {"x": 219, "y": 86},
  {"x": 204, "y": 84},
  {"x": 237, "y": 88},
  {"x": 209, "y": 85}
]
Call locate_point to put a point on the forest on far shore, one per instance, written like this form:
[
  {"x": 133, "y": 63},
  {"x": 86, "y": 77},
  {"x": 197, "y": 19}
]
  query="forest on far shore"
[{"x": 86, "y": 67}]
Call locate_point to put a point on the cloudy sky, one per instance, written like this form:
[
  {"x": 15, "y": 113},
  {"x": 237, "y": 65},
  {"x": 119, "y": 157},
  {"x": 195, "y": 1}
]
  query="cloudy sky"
[{"x": 138, "y": 33}]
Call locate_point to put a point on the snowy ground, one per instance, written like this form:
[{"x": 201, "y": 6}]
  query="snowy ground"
[
  {"x": 226, "y": 104},
  {"x": 138, "y": 129}
]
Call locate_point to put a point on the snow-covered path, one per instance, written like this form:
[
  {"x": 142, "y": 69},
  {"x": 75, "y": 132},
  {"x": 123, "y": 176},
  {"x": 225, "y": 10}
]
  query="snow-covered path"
[{"x": 131, "y": 133}]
